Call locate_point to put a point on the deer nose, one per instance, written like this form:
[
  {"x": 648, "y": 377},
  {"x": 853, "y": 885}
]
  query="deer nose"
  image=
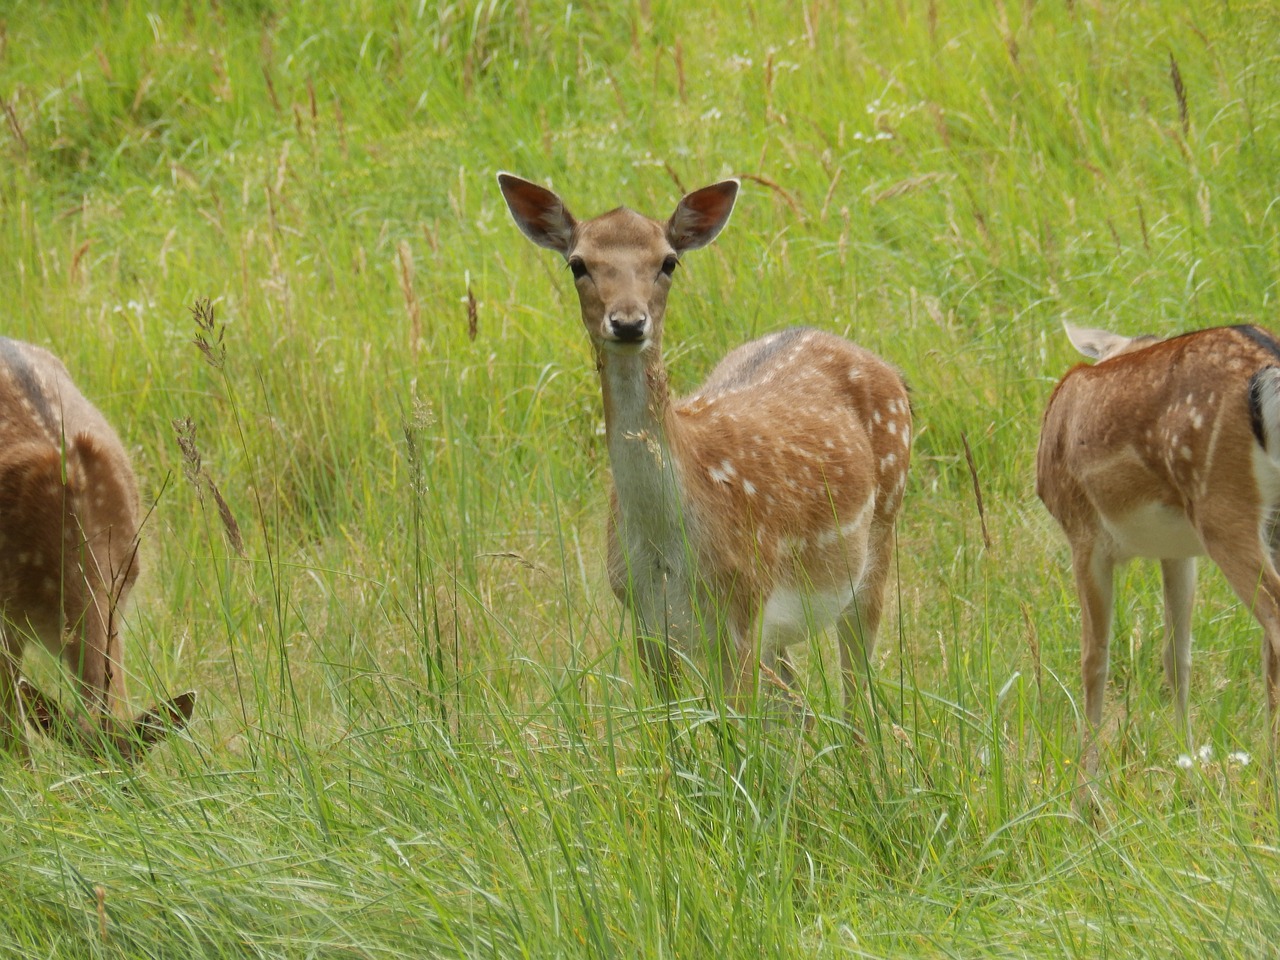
[{"x": 628, "y": 326}]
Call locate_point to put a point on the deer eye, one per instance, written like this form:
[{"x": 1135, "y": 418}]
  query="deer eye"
[
  {"x": 578, "y": 267},
  {"x": 669, "y": 265}
]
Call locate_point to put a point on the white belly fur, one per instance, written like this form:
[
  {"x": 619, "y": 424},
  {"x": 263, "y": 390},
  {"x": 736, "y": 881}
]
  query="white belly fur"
[
  {"x": 791, "y": 615},
  {"x": 1163, "y": 533},
  {"x": 1155, "y": 531}
]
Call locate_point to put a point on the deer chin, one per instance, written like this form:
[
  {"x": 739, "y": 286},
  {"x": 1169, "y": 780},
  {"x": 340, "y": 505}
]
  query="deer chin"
[{"x": 106, "y": 738}]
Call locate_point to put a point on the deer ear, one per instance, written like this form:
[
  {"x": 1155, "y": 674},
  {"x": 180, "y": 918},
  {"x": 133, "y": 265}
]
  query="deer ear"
[
  {"x": 1096, "y": 344},
  {"x": 152, "y": 726},
  {"x": 701, "y": 215},
  {"x": 539, "y": 213},
  {"x": 44, "y": 713}
]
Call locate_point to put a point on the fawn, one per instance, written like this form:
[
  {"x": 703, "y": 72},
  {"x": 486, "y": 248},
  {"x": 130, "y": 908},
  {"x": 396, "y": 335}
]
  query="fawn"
[
  {"x": 68, "y": 558},
  {"x": 761, "y": 508},
  {"x": 1168, "y": 449}
]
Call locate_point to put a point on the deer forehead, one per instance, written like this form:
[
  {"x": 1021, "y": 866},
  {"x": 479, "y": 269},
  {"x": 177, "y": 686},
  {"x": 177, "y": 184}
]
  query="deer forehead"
[{"x": 622, "y": 237}]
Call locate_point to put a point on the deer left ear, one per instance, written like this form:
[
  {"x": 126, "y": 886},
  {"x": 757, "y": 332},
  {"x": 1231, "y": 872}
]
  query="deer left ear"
[
  {"x": 152, "y": 726},
  {"x": 701, "y": 215},
  {"x": 43, "y": 712}
]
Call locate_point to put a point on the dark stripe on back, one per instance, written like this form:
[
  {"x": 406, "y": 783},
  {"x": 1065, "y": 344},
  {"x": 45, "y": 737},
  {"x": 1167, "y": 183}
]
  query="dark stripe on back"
[
  {"x": 1261, "y": 337},
  {"x": 11, "y": 356},
  {"x": 763, "y": 353}
]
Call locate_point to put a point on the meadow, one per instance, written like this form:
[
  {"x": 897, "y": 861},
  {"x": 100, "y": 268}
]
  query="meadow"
[{"x": 266, "y": 239}]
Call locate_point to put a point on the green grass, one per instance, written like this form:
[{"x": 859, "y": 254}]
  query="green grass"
[{"x": 421, "y": 731}]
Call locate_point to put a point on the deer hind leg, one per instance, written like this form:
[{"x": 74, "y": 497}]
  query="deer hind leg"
[
  {"x": 1179, "y": 591},
  {"x": 1239, "y": 552},
  {"x": 859, "y": 622}
]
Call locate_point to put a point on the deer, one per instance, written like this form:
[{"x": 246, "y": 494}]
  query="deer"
[
  {"x": 760, "y": 509},
  {"x": 68, "y": 559},
  {"x": 1167, "y": 449}
]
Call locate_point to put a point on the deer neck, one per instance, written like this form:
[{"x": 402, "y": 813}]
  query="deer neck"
[{"x": 642, "y": 437}]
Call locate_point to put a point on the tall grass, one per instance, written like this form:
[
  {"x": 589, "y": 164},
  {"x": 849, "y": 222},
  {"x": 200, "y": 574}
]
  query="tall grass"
[{"x": 421, "y": 731}]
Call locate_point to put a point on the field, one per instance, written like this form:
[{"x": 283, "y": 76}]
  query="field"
[{"x": 377, "y": 485}]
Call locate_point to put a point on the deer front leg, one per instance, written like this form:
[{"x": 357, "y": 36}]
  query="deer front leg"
[
  {"x": 13, "y": 738},
  {"x": 1179, "y": 591},
  {"x": 1094, "y": 573}
]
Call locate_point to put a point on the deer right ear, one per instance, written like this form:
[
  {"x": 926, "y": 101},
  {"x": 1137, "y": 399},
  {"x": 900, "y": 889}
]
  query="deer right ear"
[{"x": 539, "y": 213}]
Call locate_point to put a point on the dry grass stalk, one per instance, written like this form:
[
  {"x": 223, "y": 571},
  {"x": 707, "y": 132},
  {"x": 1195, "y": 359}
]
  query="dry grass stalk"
[
  {"x": 675, "y": 177},
  {"x": 1033, "y": 643},
  {"x": 271, "y": 88},
  {"x": 411, "y": 305},
  {"x": 1180, "y": 91},
  {"x": 100, "y": 893},
  {"x": 473, "y": 315},
  {"x": 792, "y": 202},
  {"x": 909, "y": 185},
  {"x": 209, "y": 334},
  {"x": 196, "y": 475},
  {"x": 11, "y": 114},
  {"x": 977, "y": 489},
  {"x": 74, "y": 270}
]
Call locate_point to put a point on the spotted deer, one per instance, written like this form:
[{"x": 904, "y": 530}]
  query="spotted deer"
[
  {"x": 756, "y": 511},
  {"x": 68, "y": 558},
  {"x": 1168, "y": 449}
]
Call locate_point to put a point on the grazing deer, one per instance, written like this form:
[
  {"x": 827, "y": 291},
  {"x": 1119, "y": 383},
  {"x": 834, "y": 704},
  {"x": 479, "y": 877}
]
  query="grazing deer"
[
  {"x": 1168, "y": 449},
  {"x": 757, "y": 510},
  {"x": 68, "y": 557}
]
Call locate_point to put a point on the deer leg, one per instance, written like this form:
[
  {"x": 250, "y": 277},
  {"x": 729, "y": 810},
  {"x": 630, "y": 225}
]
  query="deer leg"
[
  {"x": 859, "y": 622},
  {"x": 655, "y": 657},
  {"x": 1094, "y": 575},
  {"x": 1179, "y": 590},
  {"x": 13, "y": 738},
  {"x": 1246, "y": 563}
]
